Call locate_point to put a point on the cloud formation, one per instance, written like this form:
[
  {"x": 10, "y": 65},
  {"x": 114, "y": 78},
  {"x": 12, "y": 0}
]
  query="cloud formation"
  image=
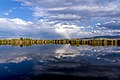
[
  {"x": 65, "y": 19},
  {"x": 74, "y": 9},
  {"x": 19, "y": 28},
  {"x": 46, "y": 30},
  {"x": 115, "y": 25},
  {"x": 77, "y": 12}
]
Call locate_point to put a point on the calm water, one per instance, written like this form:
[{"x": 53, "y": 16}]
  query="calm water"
[{"x": 63, "y": 61}]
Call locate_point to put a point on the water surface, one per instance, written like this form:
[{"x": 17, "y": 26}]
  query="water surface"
[{"x": 51, "y": 61}]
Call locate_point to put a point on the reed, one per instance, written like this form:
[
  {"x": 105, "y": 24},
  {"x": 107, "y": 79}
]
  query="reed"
[{"x": 73, "y": 42}]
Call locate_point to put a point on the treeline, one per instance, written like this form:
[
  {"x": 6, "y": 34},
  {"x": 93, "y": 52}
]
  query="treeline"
[{"x": 73, "y": 42}]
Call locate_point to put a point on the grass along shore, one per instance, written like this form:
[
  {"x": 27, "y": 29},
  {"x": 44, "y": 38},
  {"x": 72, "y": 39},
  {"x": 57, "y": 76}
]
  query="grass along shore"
[{"x": 73, "y": 42}]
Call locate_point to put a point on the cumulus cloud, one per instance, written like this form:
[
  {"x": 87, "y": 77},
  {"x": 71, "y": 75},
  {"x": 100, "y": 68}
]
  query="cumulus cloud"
[
  {"x": 14, "y": 24},
  {"x": 66, "y": 19},
  {"x": 76, "y": 12},
  {"x": 19, "y": 28},
  {"x": 45, "y": 30}
]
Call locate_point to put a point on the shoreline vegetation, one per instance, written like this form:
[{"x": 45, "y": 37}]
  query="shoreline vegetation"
[{"x": 73, "y": 42}]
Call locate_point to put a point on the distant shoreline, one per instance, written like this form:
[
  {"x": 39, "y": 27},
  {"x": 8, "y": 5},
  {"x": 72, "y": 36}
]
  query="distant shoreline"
[{"x": 73, "y": 42}]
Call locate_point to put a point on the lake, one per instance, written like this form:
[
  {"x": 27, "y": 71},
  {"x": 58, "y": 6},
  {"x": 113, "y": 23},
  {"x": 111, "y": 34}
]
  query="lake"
[{"x": 54, "y": 61}]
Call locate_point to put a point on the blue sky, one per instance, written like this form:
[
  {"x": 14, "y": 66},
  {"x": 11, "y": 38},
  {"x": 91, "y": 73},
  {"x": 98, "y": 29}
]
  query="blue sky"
[{"x": 55, "y": 19}]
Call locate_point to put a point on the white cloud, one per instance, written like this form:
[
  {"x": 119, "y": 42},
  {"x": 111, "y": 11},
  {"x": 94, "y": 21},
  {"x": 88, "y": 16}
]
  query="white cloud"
[
  {"x": 79, "y": 17},
  {"x": 76, "y": 7},
  {"x": 14, "y": 60},
  {"x": 112, "y": 24},
  {"x": 48, "y": 30},
  {"x": 66, "y": 16},
  {"x": 19, "y": 27},
  {"x": 66, "y": 51},
  {"x": 66, "y": 30},
  {"x": 6, "y": 13},
  {"x": 14, "y": 24}
]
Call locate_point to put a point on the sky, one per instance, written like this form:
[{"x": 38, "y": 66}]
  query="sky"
[{"x": 58, "y": 19}]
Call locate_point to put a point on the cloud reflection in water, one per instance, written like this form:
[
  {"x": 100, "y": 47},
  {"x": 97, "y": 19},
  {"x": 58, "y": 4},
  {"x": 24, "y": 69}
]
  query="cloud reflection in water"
[{"x": 63, "y": 60}]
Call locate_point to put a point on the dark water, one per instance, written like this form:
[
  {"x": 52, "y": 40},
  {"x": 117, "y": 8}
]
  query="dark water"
[{"x": 59, "y": 62}]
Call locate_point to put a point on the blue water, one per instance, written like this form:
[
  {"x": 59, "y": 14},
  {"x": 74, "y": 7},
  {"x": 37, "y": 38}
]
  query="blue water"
[{"x": 48, "y": 61}]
